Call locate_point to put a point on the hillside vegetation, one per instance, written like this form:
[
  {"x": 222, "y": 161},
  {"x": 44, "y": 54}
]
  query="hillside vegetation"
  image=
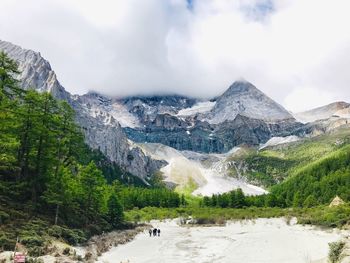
[
  {"x": 307, "y": 173},
  {"x": 274, "y": 164}
]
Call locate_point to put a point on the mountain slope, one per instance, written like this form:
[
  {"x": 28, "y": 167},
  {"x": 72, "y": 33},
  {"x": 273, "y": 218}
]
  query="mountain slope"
[
  {"x": 339, "y": 109},
  {"x": 108, "y": 137}
]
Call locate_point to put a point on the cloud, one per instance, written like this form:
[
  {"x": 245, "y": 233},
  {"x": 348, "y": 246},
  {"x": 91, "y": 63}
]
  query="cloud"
[{"x": 287, "y": 48}]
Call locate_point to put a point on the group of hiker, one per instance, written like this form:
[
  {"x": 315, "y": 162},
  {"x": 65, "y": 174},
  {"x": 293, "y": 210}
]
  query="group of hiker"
[{"x": 154, "y": 231}]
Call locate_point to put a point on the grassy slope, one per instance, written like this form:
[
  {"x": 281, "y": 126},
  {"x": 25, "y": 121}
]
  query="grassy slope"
[{"x": 274, "y": 164}]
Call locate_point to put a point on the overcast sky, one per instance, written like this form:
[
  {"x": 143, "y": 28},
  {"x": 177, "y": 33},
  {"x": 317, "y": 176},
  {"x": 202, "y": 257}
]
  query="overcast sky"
[{"x": 296, "y": 51}]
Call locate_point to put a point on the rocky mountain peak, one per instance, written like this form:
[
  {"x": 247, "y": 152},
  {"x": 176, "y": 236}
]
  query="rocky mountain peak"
[
  {"x": 239, "y": 87},
  {"x": 243, "y": 98},
  {"x": 36, "y": 72}
]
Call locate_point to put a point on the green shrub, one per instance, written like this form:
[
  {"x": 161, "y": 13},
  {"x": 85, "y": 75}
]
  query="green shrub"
[
  {"x": 3, "y": 217},
  {"x": 72, "y": 236},
  {"x": 6, "y": 243},
  {"x": 335, "y": 250},
  {"x": 32, "y": 240}
]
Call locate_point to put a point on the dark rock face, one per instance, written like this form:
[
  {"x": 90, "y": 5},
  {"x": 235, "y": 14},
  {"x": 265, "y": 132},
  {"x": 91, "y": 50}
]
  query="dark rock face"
[
  {"x": 147, "y": 108},
  {"x": 220, "y": 138},
  {"x": 244, "y": 130}
]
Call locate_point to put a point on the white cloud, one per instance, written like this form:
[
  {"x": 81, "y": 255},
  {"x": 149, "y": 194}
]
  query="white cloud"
[{"x": 287, "y": 48}]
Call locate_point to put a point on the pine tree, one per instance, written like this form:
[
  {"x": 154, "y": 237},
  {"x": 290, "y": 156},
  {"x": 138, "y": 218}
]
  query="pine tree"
[
  {"x": 91, "y": 183},
  {"x": 8, "y": 82},
  {"x": 9, "y": 142},
  {"x": 115, "y": 211}
]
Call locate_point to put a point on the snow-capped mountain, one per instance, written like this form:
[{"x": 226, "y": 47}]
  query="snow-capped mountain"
[
  {"x": 242, "y": 114},
  {"x": 190, "y": 129}
]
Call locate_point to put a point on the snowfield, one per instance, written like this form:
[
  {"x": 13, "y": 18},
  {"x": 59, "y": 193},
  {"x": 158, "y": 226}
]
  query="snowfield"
[
  {"x": 279, "y": 140},
  {"x": 116, "y": 110},
  {"x": 258, "y": 241},
  {"x": 200, "y": 107}
]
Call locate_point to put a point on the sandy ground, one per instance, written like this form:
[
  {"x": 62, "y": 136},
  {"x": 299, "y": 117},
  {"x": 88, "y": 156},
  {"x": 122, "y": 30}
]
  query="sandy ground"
[{"x": 259, "y": 241}]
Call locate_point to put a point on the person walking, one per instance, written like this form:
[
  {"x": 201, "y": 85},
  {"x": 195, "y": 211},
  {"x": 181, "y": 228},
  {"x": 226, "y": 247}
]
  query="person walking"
[
  {"x": 150, "y": 232},
  {"x": 158, "y": 232},
  {"x": 155, "y": 232}
]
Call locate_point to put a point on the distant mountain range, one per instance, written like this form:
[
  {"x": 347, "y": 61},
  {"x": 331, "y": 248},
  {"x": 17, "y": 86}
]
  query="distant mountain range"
[{"x": 242, "y": 115}]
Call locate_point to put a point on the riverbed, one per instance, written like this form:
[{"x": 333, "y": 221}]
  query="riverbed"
[{"x": 250, "y": 241}]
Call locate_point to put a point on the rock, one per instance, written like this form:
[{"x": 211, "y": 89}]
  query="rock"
[
  {"x": 337, "y": 201},
  {"x": 5, "y": 257}
]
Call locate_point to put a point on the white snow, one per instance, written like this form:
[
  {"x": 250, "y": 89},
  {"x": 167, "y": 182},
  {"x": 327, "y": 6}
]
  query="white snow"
[
  {"x": 258, "y": 241},
  {"x": 116, "y": 110},
  {"x": 200, "y": 107},
  {"x": 123, "y": 116},
  {"x": 279, "y": 140},
  {"x": 208, "y": 171}
]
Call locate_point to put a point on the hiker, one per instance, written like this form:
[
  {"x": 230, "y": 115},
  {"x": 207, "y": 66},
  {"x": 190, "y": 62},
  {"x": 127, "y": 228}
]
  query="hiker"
[
  {"x": 158, "y": 232},
  {"x": 155, "y": 232},
  {"x": 150, "y": 232}
]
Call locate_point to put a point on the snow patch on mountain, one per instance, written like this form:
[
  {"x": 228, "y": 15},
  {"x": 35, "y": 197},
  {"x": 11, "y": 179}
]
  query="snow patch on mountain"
[
  {"x": 108, "y": 110},
  {"x": 279, "y": 140},
  {"x": 116, "y": 111},
  {"x": 200, "y": 107}
]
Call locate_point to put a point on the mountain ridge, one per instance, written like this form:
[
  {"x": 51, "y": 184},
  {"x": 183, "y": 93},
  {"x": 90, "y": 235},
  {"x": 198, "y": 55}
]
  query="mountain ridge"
[{"x": 338, "y": 108}]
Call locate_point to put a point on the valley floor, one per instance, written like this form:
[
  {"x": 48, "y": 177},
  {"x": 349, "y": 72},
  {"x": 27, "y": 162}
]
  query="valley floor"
[{"x": 260, "y": 240}]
